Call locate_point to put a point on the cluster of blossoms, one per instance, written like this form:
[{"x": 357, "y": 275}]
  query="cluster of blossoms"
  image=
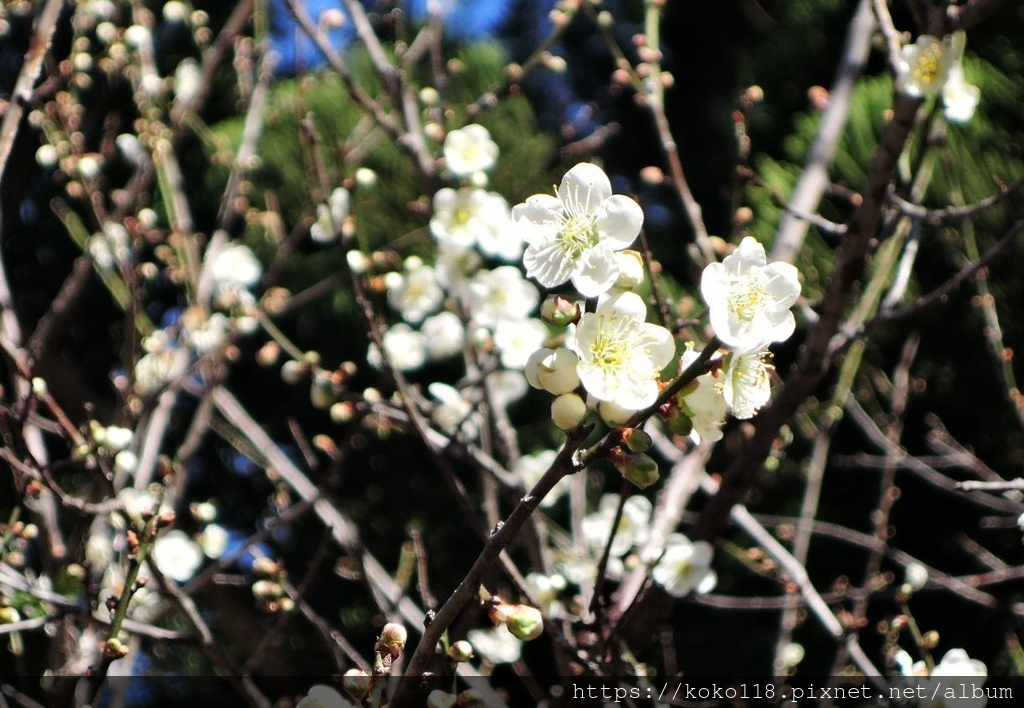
[
  {"x": 613, "y": 352},
  {"x": 460, "y": 301},
  {"x": 684, "y": 566},
  {"x": 933, "y": 66}
]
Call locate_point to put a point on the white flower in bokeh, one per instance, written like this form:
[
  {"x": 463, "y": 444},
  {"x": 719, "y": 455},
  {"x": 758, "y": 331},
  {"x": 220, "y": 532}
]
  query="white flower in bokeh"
[
  {"x": 685, "y": 566},
  {"x": 475, "y": 217},
  {"x": 177, "y": 555},
  {"x": 214, "y": 540},
  {"x": 406, "y": 348},
  {"x": 516, "y": 340},
  {"x": 749, "y": 298},
  {"x": 188, "y": 80},
  {"x": 575, "y": 235},
  {"x": 622, "y": 355},
  {"x": 530, "y": 468},
  {"x": 453, "y": 412},
  {"x": 506, "y": 387},
  {"x": 937, "y": 687},
  {"x": 631, "y": 531},
  {"x": 469, "y": 150},
  {"x": 444, "y": 334},
  {"x": 747, "y": 383},
  {"x": 497, "y": 645},
  {"x": 414, "y": 293},
  {"x": 501, "y": 294},
  {"x": 923, "y": 66},
  {"x": 236, "y": 266},
  {"x": 959, "y": 98},
  {"x": 330, "y": 217},
  {"x": 153, "y": 371}
]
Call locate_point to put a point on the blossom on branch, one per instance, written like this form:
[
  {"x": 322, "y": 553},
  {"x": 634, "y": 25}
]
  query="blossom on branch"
[
  {"x": 747, "y": 385},
  {"x": 923, "y": 67},
  {"x": 574, "y": 235},
  {"x": 749, "y": 298},
  {"x": 622, "y": 355},
  {"x": 469, "y": 150},
  {"x": 685, "y": 566}
]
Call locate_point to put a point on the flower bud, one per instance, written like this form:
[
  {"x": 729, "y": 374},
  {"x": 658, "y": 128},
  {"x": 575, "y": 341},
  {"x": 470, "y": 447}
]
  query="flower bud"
[
  {"x": 392, "y": 640},
  {"x": 560, "y": 311},
  {"x": 292, "y": 371},
  {"x": 356, "y": 683},
  {"x": 680, "y": 424},
  {"x": 553, "y": 370},
  {"x": 636, "y": 439},
  {"x": 568, "y": 411},
  {"x": 613, "y": 414},
  {"x": 321, "y": 390},
  {"x": 641, "y": 470},
  {"x": 114, "y": 649},
  {"x": 631, "y": 269},
  {"x": 460, "y": 651},
  {"x": 524, "y": 622}
]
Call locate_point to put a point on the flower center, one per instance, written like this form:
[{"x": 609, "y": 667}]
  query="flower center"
[
  {"x": 747, "y": 297},
  {"x": 462, "y": 216},
  {"x": 928, "y": 67},
  {"x": 577, "y": 236},
  {"x": 608, "y": 351}
]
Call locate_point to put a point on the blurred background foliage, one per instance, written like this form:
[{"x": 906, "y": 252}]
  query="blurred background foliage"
[{"x": 715, "y": 51}]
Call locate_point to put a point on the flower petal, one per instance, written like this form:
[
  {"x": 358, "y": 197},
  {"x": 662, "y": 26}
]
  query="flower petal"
[
  {"x": 548, "y": 263},
  {"x": 619, "y": 220},
  {"x": 597, "y": 272},
  {"x": 583, "y": 188}
]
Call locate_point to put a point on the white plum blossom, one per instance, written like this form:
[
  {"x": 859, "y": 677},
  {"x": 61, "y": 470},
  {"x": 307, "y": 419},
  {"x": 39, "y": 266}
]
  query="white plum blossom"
[
  {"x": 469, "y": 150},
  {"x": 235, "y": 266},
  {"x": 188, "y": 80},
  {"x": 959, "y": 98},
  {"x": 444, "y": 334},
  {"x": 470, "y": 217},
  {"x": 517, "y": 340},
  {"x": 622, "y": 355},
  {"x": 923, "y": 67},
  {"x": 631, "y": 531},
  {"x": 749, "y": 298},
  {"x": 747, "y": 383},
  {"x": 501, "y": 294},
  {"x": 497, "y": 645},
  {"x": 330, "y": 216},
  {"x": 415, "y": 293},
  {"x": 214, "y": 541},
  {"x": 405, "y": 347},
  {"x": 574, "y": 235},
  {"x": 937, "y": 693},
  {"x": 177, "y": 555},
  {"x": 455, "y": 265},
  {"x": 702, "y": 401},
  {"x": 453, "y": 412},
  {"x": 153, "y": 371},
  {"x": 685, "y": 566},
  {"x": 553, "y": 370},
  {"x": 506, "y": 387}
]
